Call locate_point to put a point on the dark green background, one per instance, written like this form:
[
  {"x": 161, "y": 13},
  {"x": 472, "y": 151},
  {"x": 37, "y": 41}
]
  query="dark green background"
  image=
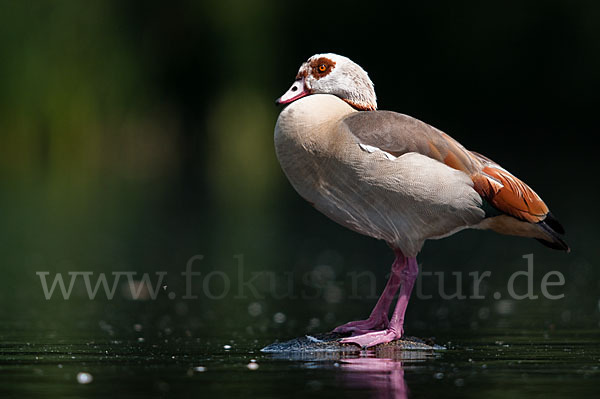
[{"x": 134, "y": 135}]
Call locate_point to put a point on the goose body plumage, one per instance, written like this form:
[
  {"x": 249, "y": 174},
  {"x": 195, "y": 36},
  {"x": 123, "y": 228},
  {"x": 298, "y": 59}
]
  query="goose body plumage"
[
  {"x": 393, "y": 177},
  {"x": 403, "y": 200}
]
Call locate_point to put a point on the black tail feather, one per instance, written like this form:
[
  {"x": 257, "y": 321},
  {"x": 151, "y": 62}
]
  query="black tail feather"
[
  {"x": 554, "y": 224},
  {"x": 556, "y": 244},
  {"x": 554, "y": 229}
]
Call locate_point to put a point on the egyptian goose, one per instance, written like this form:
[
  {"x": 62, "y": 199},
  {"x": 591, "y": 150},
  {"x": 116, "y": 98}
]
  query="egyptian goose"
[{"x": 394, "y": 178}]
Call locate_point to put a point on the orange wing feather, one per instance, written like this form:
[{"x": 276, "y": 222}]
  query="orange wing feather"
[
  {"x": 496, "y": 185},
  {"x": 509, "y": 194},
  {"x": 503, "y": 191}
]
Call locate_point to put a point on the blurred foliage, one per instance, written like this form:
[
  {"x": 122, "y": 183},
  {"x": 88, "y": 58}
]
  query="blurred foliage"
[{"x": 134, "y": 135}]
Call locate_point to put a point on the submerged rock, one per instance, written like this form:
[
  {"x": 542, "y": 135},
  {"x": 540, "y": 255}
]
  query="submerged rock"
[{"x": 329, "y": 342}]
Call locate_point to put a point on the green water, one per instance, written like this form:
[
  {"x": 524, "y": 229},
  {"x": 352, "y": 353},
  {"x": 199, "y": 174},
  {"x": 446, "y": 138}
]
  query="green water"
[{"x": 487, "y": 364}]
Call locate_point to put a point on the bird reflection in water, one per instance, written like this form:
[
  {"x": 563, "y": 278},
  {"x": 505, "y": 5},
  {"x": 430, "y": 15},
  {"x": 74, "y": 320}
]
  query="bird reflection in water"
[{"x": 381, "y": 372}]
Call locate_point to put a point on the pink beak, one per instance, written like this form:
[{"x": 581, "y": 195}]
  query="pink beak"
[{"x": 298, "y": 90}]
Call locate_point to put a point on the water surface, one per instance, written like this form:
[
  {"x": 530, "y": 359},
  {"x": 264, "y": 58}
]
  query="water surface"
[{"x": 489, "y": 363}]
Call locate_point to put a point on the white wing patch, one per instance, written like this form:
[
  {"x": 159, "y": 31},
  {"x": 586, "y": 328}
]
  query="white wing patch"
[{"x": 370, "y": 149}]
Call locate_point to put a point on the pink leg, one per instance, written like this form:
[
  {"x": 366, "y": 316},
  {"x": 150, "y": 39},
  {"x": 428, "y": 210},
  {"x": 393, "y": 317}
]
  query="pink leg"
[
  {"x": 395, "y": 329},
  {"x": 378, "y": 320}
]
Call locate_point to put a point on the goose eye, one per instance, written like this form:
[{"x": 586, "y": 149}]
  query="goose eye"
[{"x": 322, "y": 68}]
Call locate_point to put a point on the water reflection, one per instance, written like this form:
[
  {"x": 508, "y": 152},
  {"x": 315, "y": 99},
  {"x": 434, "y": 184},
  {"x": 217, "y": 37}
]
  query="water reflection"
[{"x": 380, "y": 372}]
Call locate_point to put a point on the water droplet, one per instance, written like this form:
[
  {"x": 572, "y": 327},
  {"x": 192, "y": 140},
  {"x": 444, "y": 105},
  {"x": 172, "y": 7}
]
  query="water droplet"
[
  {"x": 322, "y": 274},
  {"x": 255, "y": 309},
  {"x": 84, "y": 378},
  {"x": 333, "y": 293},
  {"x": 279, "y": 318},
  {"x": 314, "y": 323},
  {"x": 505, "y": 306}
]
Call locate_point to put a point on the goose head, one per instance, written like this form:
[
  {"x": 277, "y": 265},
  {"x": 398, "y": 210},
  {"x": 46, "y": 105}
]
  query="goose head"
[{"x": 333, "y": 74}]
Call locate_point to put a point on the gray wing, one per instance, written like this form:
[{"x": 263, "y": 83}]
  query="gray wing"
[{"x": 399, "y": 134}]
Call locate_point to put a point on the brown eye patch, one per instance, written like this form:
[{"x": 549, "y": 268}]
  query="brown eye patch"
[{"x": 321, "y": 67}]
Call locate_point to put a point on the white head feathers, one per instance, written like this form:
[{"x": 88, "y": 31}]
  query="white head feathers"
[{"x": 335, "y": 74}]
